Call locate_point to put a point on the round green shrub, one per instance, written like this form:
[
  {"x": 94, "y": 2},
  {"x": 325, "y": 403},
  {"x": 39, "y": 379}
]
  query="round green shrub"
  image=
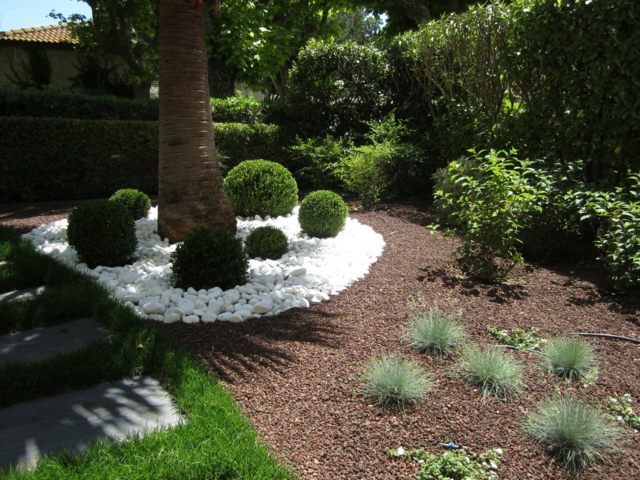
[
  {"x": 137, "y": 202},
  {"x": 209, "y": 257},
  {"x": 322, "y": 214},
  {"x": 266, "y": 242},
  {"x": 261, "y": 187},
  {"x": 102, "y": 232}
]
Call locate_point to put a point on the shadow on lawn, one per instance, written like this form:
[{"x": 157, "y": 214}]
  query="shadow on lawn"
[{"x": 264, "y": 344}]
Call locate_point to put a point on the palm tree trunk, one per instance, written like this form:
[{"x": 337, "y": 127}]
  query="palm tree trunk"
[{"x": 190, "y": 189}]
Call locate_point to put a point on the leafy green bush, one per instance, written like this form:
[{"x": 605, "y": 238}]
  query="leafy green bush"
[
  {"x": 578, "y": 435},
  {"x": 78, "y": 159},
  {"x": 335, "y": 88},
  {"x": 436, "y": 332},
  {"x": 266, "y": 242},
  {"x": 239, "y": 108},
  {"x": 617, "y": 217},
  {"x": 137, "y": 202},
  {"x": 261, "y": 187},
  {"x": 59, "y": 103},
  {"x": 391, "y": 380},
  {"x": 449, "y": 190},
  {"x": 497, "y": 193},
  {"x": 492, "y": 371},
  {"x": 568, "y": 357},
  {"x": 314, "y": 160},
  {"x": 322, "y": 214},
  {"x": 209, "y": 257},
  {"x": 384, "y": 166},
  {"x": 102, "y": 232}
]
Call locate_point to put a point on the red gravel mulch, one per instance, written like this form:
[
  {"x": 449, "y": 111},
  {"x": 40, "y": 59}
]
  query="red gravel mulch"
[{"x": 297, "y": 375}]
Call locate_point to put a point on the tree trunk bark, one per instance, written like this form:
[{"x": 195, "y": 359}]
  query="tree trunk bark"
[
  {"x": 190, "y": 191},
  {"x": 222, "y": 78}
]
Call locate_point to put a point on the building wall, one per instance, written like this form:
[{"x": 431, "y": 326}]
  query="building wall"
[{"x": 63, "y": 60}]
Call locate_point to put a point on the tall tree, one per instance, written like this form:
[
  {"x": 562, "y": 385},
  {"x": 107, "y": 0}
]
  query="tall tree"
[{"x": 190, "y": 183}]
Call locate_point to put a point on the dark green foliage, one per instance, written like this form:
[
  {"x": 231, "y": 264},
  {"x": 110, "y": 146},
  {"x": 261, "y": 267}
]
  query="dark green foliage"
[
  {"x": 241, "y": 141},
  {"x": 386, "y": 165},
  {"x": 616, "y": 216},
  {"x": 314, "y": 161},
  {"x": 60, "y": 103},
  {"x": 322, "y": 214},
  {"x": 447, "y": 80},
  {"x": 239, "y": 108},
  {"x": 577, "y": 434},
  {"x": 137, "y": 202},
  {"x": 102, "y": 232},
  {"x": 209, "y": 257},
  {"x": 336, "y": 88},
  {"x": 574, "y": 65},
  {"x": 52, "y": 158},
  {"x": 77, "y": 159},
  {"x": 261, "y": 187},
  {"x": 266, "y": 242}
]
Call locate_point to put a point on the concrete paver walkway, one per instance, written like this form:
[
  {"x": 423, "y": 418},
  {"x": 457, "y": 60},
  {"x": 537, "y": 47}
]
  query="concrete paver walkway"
[
  {"x": 70, "y": 421},
  {"x": 45, "y": 342}
]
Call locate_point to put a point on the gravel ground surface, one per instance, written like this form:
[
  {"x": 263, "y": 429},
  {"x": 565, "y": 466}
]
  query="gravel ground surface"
[{"x": 296, "y": 375}]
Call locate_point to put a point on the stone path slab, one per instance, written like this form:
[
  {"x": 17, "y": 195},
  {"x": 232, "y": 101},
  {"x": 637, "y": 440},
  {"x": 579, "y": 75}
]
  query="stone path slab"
[
  {"x": 45, "y": 342},
  {"x": 20, "y": 295},
  {"x": 112, "y": 410}
]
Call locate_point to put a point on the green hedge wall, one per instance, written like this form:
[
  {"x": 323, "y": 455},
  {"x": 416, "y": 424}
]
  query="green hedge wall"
[
  {"x": 62, "y": 158},
  {"x": 68, "y": 104}
]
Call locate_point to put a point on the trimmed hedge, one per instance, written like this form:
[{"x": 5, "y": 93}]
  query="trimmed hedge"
[
  {"x": 67, "y": 104},
  {"x": 57, "y": 158},
  {"x": 239, "y": 108}
]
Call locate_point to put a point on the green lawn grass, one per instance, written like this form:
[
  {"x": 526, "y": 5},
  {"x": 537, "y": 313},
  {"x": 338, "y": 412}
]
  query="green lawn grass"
[{"x": 216, "y": 442}]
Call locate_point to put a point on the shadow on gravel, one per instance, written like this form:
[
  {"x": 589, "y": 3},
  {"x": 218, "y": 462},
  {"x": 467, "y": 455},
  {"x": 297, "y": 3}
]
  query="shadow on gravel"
[{"x": 264, "y": 344}]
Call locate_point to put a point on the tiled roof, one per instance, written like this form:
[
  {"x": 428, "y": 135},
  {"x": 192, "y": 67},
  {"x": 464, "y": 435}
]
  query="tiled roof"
[{"x": 49, "y": 34}]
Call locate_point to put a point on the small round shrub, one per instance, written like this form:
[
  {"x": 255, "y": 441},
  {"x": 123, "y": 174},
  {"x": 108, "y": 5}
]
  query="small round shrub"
[
  {"x": 137, "y": 202},
  {"x": 266, "y": 242},
  {"x": 209, "y": 257},
  {"x": 261, "y": 187},
  {"x": 492, "y": 371},
  {"x": 391, "y": 380},
  {"x": 567, "y": 357},
  {"x": 436, "y": 332},
  {"x": 322, "y": 214},
  {"x": 102, "y": 232},
  {"x": 577, "y": 435}
]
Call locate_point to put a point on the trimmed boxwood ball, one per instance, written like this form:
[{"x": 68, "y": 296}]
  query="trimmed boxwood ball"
[
  {"x": 209, "y": 257},
  {"x": 137, "y": 202},
  {"x": 266, "y": 242},
  {"x": 322, "y": 214},
  {"x": 102, "y": 232},
  {"x": 261, "y": 187}
]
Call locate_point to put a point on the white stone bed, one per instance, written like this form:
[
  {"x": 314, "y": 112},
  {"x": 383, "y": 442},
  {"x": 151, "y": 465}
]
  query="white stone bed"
[{"x": 312, "y": 270}]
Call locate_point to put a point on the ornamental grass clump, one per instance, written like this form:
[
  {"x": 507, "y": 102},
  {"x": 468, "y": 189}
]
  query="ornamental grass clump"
[
  {"x": 567, "y": 357},
  {"x": 577, "y": 434},
  {"x": 493, "y": 372},
  {"x": 137, "y": 202},
  {"x": 436, "y": 332},
  {"x": 391, "y": 380}
]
